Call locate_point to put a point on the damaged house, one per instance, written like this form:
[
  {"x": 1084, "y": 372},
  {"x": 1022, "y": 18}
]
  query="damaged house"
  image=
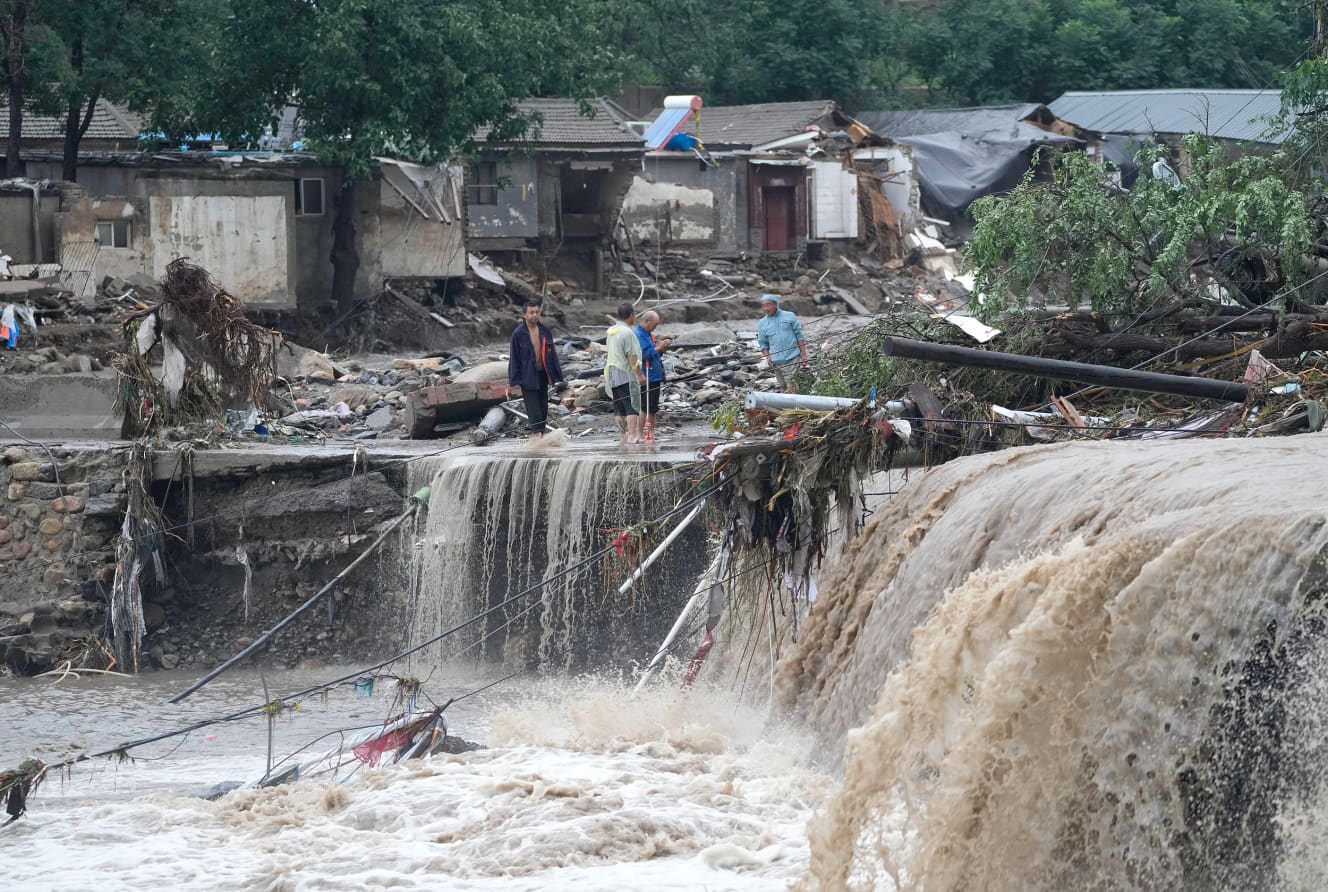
[
  {"x": 772, "y": 177},
  {"x": 961, "y": 154},
  {"x": 554, "y": 196},
  {"x": 1130, "y": 118},
  {"x": 261, "y": 222}
]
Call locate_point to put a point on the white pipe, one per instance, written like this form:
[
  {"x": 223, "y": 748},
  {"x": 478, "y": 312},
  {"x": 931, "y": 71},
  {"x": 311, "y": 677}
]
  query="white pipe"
[
  {"x": 702, "y": 590},
  {"x": 764, "y": 399},
  {"x": 668, "y": 540}
]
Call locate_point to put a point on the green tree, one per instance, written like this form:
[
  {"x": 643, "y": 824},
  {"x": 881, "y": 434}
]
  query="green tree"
[
  {"x": 986, "y": 51},
  {"x": 414, "y": 79},
  {"x": 741, "y": 51},
  {"x": 1077, "y": 239},
  {"x": 134, "y": 52}
]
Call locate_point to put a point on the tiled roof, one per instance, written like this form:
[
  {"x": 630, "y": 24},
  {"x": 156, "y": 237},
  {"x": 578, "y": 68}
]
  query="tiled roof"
[
  {"x": 743, "y": 126},
  {"x": 562, "y": 124},
  {"x": 1226, "y": 114},
  {"x": 109, "y": 122}
]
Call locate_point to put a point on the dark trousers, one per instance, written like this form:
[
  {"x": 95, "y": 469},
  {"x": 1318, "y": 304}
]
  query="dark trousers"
[{"x": 537, "y": 405}]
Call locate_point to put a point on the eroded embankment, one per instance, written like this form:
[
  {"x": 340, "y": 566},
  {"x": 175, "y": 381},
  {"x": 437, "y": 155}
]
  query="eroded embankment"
[{"x": 1077, "y": 666}]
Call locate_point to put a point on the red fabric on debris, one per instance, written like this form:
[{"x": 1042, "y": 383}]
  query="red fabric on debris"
[{"x": 371, "y": 751}]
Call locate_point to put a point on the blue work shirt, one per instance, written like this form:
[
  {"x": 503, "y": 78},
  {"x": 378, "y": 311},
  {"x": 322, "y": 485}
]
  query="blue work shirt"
[
  {"x": 780, "y": 334},
  {"x": 649, "y": 355}
]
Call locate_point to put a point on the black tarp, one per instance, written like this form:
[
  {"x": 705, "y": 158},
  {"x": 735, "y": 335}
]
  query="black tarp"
[{"x": 955, "y": 169}]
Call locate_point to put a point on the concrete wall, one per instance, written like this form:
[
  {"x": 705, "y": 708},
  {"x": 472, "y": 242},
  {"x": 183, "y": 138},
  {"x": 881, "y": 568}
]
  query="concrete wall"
[
  {"x": 516, "y": 215},
  {"x": 410, "y": 246},
  {"x": 16, "y": 236},
  {"x": 243, "y": 240},
  {"x": 242, "y": 226},
  {"x": 678, "y": 199}
]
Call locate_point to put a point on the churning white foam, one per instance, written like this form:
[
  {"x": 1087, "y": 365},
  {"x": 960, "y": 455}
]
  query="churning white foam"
[{"x": 586, "y": 788}]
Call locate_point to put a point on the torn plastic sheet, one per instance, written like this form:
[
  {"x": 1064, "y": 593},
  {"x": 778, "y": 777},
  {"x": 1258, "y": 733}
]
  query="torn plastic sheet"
[
  {"x": 172, "y": 369},
  {"x": 426, "y": 188},
  {"x": 978, "y": 331},
  {"x": 1038, "y": 431},
  {"x": 485, "y": 270},
  {"x": 147, "y": 334}
]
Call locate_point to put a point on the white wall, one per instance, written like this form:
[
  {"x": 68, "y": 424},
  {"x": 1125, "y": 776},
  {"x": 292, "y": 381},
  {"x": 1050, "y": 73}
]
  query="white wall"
[
  {"x": 690, "y": 209},
  {"x": 413, "y": 246},
  {"x": 834, "y": 201},
  {"x": 240, "y": 240}
]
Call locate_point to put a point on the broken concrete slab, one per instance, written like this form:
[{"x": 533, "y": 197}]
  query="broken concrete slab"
[{"x": 456, "y": 401}]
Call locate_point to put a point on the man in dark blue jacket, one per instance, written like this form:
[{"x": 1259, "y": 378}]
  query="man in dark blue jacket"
[{"x": 532, "y": 363}]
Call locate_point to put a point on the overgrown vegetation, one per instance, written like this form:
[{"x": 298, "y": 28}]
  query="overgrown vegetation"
[
  {"x": 1229, "y": 229},
  {"x": 977, "y": 52}
]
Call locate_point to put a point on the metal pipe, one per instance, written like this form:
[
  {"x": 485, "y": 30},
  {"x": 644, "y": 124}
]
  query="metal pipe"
[
  {"x": 420, "y": 498},
  {"x": 702, "y": 590},
  {"x": 778, "y": 402},
  {"x": 668, "y": 540},
  {"x": 1079, "y": 372}
]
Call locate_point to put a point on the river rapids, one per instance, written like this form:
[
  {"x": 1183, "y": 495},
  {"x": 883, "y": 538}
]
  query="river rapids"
[{"x": 1091, "y": 666}]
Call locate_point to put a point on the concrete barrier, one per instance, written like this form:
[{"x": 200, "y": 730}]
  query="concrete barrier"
[{"x": 68, "y": 406}]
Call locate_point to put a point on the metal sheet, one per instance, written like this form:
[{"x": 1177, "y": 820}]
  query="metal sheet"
[{"x": 663, "y": 127}]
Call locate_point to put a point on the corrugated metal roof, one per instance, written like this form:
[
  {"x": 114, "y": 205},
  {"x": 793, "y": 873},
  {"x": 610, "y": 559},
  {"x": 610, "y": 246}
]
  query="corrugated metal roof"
[
  {"x": 1227, "y": 114},
  {"x": 916, "y": 122},
  {"x": 562, "y": 124},
  {"x": 754, "y": 125},
  {"x": 109, "y": 122}
]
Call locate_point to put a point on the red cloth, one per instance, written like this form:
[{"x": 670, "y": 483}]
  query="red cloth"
[{"x": 372, "y": 750}]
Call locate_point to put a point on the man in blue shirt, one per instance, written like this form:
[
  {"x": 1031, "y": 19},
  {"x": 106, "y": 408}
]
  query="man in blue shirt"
[
  {"x": 779, "y": 335},
  {"x": 654, "y": 366}
]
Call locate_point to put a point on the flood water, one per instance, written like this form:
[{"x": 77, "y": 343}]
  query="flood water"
[{"x": 580, "y": 785}]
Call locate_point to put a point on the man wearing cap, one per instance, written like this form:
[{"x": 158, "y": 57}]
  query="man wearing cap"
[{"x": 779, "y": 335}]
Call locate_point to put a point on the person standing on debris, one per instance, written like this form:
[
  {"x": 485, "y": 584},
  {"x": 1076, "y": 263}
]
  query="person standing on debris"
[
  {"x": 779, "y": 335},
  {"x": 624, "y": 374},
  {"x": 654, "y": 366},
  {"x": 531, "y": 364}
]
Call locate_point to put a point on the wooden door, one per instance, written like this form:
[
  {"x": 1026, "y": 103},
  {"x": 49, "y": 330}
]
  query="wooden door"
[{"x": 779, "y": 218}]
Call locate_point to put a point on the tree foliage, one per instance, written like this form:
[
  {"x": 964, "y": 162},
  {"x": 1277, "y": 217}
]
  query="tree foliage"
[
  {"x": 413, "y": 79},
  {"x": 739, "y": 51},
  {"x": 974, "y": 52},
  {"x": 1076, "y": 239}
]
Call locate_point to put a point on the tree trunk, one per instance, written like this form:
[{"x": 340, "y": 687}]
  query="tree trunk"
[
  {"x": 14, "y": 30},
  {"x": 76, "y": 121},
  {"x": 345, "y": 256}
]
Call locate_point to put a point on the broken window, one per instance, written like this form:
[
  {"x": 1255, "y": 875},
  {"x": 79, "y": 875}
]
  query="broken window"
[
  {"x": 309, "y": 197},
  {"x": 483, "y": 187},
  {"x": 113, "y": 233}
]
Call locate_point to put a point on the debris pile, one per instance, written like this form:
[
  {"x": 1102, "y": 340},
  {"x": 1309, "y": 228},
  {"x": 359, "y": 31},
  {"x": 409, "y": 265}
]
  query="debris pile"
[{"x": 191, "y": 355}]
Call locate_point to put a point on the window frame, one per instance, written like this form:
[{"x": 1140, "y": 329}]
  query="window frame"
[
  {"x": 482, "y": 193},
  {"x": 301, "y": 197},
  {"x": 125, "y": 226}
]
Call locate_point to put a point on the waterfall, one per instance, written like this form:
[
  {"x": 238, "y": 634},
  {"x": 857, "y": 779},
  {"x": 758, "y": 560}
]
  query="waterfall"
[
  {"x": 1081, "y": 666},
  {"x": 497, "y": 524}
]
